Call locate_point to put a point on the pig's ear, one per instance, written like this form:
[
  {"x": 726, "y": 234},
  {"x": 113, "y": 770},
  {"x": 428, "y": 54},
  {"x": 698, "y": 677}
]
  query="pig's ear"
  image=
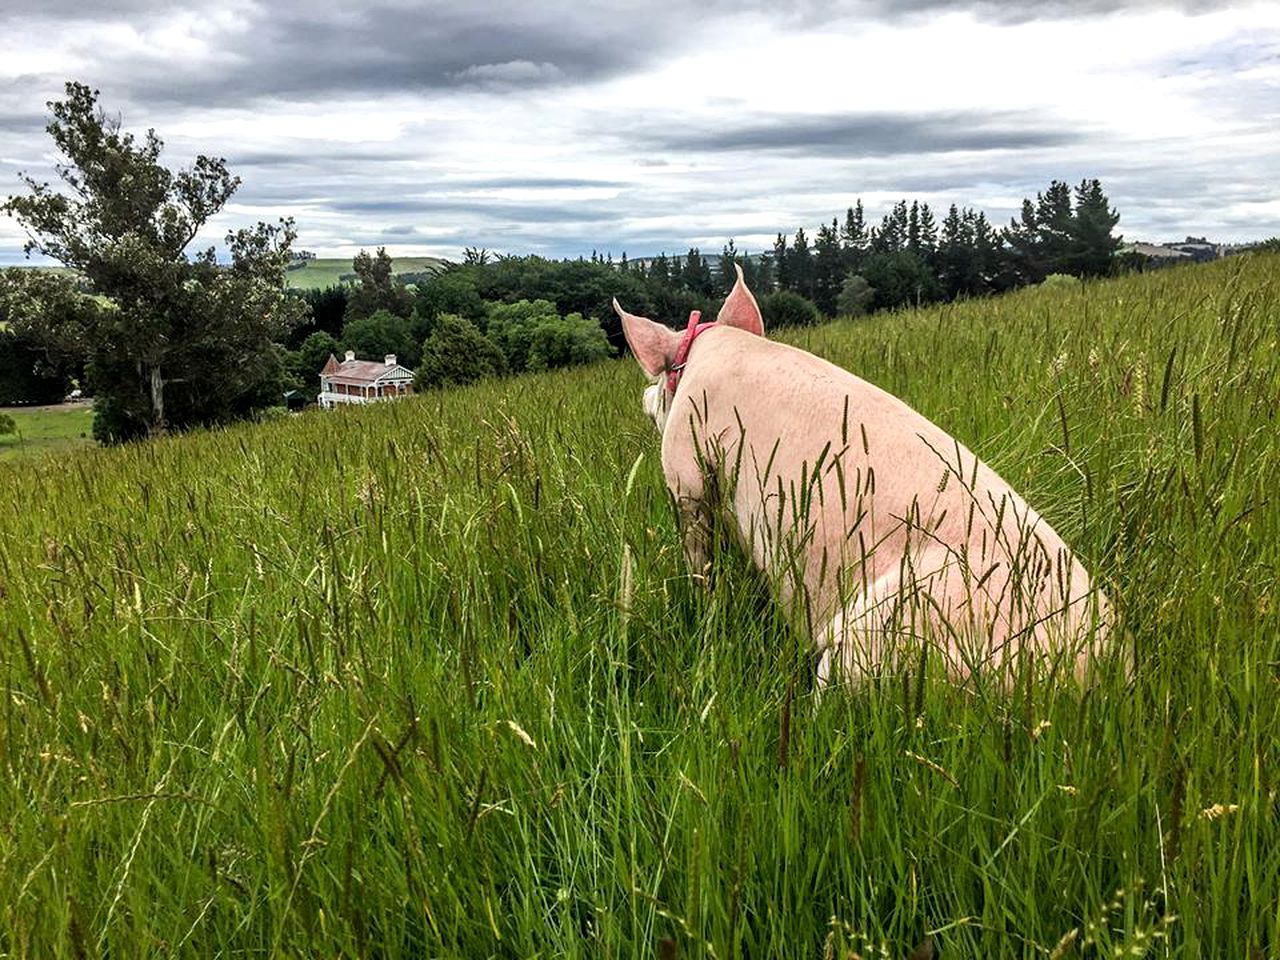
[
  {"x": 653, "y": 344},
  {"x": 740, "y": 309}
]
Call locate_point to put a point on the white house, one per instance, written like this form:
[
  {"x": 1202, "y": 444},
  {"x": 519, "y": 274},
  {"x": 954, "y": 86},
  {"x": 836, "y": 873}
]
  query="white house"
[{"x": 362, "y": 381}]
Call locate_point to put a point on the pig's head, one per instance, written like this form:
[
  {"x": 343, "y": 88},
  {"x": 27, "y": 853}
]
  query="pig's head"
[{"x": 655, "y": 345}]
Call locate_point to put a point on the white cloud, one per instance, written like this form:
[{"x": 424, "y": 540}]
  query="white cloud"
[{"x": 511, "y": 72}]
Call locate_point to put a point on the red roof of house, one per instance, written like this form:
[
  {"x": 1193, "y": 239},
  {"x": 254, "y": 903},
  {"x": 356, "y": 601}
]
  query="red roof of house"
[{"x": 362, "y": 371}]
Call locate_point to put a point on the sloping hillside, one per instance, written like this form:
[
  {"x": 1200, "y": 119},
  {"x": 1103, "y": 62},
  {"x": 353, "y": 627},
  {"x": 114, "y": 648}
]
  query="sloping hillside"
[
  {"x": 427, "y": 679},
  {"x": 324, "y": 272}
]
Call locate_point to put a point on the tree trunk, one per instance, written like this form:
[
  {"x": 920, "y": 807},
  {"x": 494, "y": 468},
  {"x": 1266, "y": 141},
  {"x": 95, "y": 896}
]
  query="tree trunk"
[{"x": 158, "y": 425}]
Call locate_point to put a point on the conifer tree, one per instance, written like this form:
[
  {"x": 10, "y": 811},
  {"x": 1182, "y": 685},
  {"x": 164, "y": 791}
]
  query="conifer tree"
[
  {"x": 781, "y": 265},
  {"x": 660, "y": 271},
  {"x": 1026, "y": 262},
  {"x": 953, "y": 254},
  {"x": 1093, "y": 245},
  {"x": 800, "y": 265},
  {"x": 853, "y": 237},
  {"x": 1055, "y": 228},
  {"x": 828, "y": 268},
  {"x": 927, "y": 232},
  {"x": 695, "y": 274},
  {"x": 728, "y": 259},
  {"x": 987, "y": 255}
]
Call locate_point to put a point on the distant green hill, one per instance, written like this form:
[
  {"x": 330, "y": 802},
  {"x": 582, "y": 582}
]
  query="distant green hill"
[
  {"x": 325, "y": 272},
  {"x": 322, "y": 272}
]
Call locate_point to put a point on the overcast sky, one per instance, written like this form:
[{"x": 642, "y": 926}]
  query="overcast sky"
[{"x": 562, "y": 127}]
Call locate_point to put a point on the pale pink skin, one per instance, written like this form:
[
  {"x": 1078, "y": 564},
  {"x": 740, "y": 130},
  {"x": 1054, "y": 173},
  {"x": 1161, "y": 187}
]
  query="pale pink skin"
[{"x": 978, "y": 572}]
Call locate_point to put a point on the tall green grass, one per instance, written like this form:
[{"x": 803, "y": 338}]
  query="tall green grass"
[{"x": 428, "y": 679}]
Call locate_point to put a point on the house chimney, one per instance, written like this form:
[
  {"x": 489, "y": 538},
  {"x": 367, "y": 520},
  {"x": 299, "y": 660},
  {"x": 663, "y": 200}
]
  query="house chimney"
[
  {"x": 351, "y": 354},
  {"x": 390, "y": 360}
]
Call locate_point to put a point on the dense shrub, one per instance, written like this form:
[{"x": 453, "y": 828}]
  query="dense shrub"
[
  {"x": 1060, "y": 281},
  {"x": 457, "y": 352},
  {"x": 511, "y": 326},
  {"x": 787, "y": 309},
  {"x": 566, "y": 341},
  {"x": 856, "y": 296}
]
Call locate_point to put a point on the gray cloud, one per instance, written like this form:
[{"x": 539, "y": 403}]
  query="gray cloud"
[
  {"x": 547, "y": 183},
  {"x": 288, "y": 49},
  {"x": 1024, "y": 11},
  {"x": 869, "y": 135},
  {"x": 484, "y": 208}
]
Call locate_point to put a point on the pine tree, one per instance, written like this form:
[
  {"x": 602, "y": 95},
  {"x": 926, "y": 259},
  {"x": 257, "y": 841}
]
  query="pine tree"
[
  {"x": 1026, "y": 261},
  {"x": 953, "y": 255},
  {"x": 800, "y": 265},
  {"x": 853, "y": 235},
  {"x": 728, "y": 259},
  {"x": 695, "y": 274},
  {"x": 986, "y": 255},
  {"x": 853, "y": 238},
  {"x": 891, "y": 237},
  {"x": 1055, "y": 227},
  {"x": 660, "y": 271},
  {"x": 758, "y": 273},
  {"x": 781, "y": 265},
  {"x": 828, "y": 268},
  {"x": 928, "y": 232},
  {"x": 1093, "y": 246}
]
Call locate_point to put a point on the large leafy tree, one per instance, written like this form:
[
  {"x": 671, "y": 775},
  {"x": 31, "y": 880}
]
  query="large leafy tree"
[
  {"x": 310, "y": 358},
  {"x": 169, "y": 340},
  {"x": 378, "y": 288},
  {"x": 375, "y": 336}
]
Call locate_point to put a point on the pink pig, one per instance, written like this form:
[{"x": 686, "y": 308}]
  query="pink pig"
[{"x": 879, "y": 529}]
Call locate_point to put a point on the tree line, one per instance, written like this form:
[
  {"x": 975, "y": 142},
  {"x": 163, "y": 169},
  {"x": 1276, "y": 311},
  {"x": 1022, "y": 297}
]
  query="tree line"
[
  {"x": 851, "y": 266},
  {"x": 166, "y": 339}
]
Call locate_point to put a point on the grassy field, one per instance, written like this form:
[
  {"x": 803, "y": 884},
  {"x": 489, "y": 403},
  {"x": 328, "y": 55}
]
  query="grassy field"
[
  {"x": 46, "y": 430},
  {"x": 428, "y": 679},
  {"x": 323, "y": 272}
]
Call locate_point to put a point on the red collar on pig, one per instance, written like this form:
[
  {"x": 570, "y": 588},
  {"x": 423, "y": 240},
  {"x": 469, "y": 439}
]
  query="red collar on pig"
[{"x": 682, "y": 352}]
